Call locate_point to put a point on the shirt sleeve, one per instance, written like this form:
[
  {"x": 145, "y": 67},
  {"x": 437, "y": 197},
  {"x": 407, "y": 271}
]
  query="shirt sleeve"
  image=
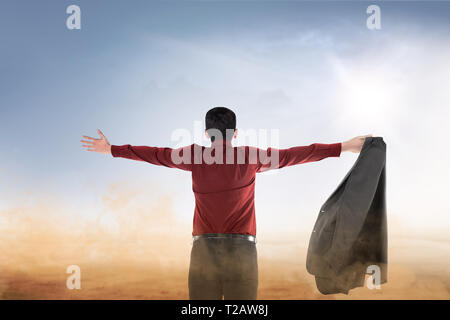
[
  {"x": 180, "y": 158},
  {"x": 279, "y": 158}
]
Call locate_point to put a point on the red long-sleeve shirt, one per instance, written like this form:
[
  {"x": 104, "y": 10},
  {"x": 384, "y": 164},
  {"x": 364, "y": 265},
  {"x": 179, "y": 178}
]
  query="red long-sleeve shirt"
[{"x": 225, "y": 190}]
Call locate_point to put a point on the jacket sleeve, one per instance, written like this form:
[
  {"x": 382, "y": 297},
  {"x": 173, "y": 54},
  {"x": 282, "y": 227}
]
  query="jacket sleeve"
[
  {"x": 180, "y": 158},
  {"x": 279, "y": 158}
]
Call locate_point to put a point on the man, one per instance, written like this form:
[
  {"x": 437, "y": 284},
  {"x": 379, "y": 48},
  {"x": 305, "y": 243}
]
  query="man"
[{"x": 223, "y": 258}]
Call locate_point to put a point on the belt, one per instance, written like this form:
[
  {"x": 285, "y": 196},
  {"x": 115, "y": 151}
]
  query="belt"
[{"x": 248, "y": 237}]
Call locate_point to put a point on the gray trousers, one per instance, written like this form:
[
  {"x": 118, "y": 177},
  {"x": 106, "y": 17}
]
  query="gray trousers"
[{"x": 223, "y": 268}]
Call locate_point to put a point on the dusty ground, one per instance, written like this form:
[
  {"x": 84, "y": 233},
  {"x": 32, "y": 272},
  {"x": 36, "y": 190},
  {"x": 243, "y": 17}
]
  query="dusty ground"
[
  {"x": 417, "y": 270},
  {"x": 143, "y": 253}
]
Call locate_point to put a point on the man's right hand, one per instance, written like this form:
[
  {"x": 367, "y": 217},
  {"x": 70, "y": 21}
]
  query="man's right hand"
[
  {"x": 97, "y": 145},
  {"x": 355, "y": 144}
]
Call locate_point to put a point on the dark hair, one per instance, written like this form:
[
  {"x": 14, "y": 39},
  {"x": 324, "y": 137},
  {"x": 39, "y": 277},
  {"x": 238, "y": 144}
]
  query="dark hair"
[{"x": 221, "y": 119}]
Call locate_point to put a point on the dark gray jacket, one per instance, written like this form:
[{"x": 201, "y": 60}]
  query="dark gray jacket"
[{"x": 350, "y": 233}]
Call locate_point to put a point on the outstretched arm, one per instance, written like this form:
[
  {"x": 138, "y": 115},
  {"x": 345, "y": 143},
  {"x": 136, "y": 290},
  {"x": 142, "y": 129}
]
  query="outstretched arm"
[
  {"x": 274, "y": 158},
  {"x": 168, "y": 157}
]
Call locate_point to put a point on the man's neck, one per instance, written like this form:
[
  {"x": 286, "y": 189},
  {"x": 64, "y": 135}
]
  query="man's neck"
[{"x": 221, "y": 142}]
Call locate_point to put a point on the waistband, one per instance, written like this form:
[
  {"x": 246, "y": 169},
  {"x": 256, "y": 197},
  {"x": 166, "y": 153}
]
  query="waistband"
[{"x": 248, "y": 237}]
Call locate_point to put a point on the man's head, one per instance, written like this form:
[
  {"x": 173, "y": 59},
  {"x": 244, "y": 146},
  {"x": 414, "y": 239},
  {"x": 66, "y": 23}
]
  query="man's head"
[{"x": 218, "y": 120}]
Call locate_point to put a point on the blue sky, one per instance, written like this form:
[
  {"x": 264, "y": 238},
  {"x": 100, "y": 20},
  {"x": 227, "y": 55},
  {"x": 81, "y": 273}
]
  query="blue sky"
[{"x": 139, "y": 70}]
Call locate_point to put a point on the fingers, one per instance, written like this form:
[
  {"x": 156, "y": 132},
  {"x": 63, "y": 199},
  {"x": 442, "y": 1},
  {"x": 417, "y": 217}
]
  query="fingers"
[
  {"x": 91, "y": 143},
  {"x": 88, "y": 146},
  {"x": 365, "y": 136},
  {"x": 90, "y": 138},
  {"x": 101, "y": 133}
]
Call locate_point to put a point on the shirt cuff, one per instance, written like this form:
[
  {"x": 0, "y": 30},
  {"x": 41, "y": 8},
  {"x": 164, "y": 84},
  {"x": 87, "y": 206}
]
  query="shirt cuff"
[
  {"x": 336, "y": 149},
  {"x": 118, "y": 151}
]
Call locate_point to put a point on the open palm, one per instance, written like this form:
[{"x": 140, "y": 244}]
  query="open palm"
[{"x": 97, "y": 145}]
